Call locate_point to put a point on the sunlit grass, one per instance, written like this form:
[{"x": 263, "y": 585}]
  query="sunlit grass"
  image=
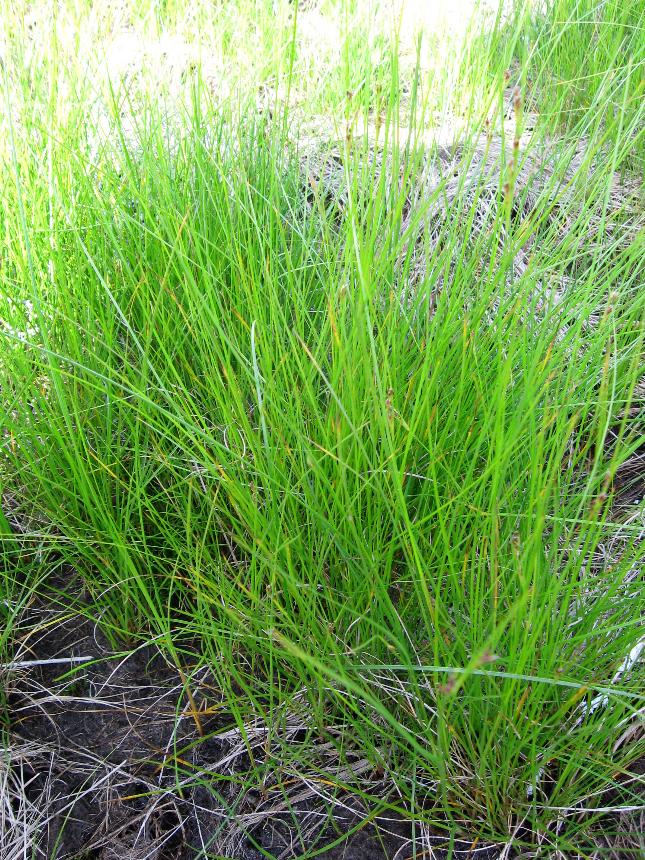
[{"x": 365, "y": 455}]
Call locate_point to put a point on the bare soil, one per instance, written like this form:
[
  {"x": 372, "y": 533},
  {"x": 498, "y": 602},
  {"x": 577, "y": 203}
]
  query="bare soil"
[{"x": 103, "y": 735}]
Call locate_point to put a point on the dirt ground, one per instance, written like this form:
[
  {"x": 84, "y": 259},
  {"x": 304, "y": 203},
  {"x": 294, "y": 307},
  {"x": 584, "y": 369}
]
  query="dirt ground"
[{"x": 95, "y": 751}]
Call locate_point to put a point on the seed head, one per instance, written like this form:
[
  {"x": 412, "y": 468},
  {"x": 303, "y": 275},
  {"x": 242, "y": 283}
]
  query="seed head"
[
  {"x": 448, "y": 687},
  {"x": 517, "y": 98},
  {"x": 388, "y": 403}
]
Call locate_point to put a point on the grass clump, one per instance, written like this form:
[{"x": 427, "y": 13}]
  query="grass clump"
[{"x": 365, "y": 445}]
